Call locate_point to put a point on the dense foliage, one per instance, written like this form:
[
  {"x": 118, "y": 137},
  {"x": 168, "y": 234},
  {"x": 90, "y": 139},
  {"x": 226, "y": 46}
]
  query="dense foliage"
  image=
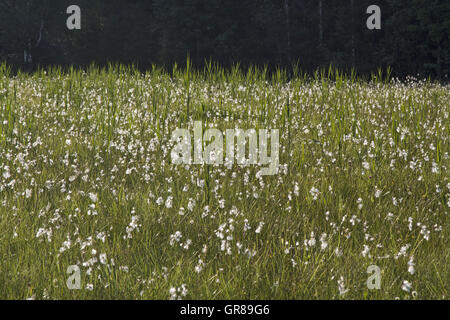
[{"x": 414, "y": 38}]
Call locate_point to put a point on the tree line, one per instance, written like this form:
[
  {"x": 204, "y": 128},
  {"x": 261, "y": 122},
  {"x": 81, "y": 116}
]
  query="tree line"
[{"x": 414, "y": 37}]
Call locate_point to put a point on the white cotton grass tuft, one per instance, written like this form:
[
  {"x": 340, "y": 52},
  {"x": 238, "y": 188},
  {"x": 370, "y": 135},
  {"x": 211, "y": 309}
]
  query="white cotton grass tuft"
[
  {"x": 366, "y": 251},
  {"x": 178, "y": 293},
  {"x": 323, "y": 241},
  {"x": 133, "y": 226},
  {"x": 341, "y": 286},
  {"x": 411, "y": 265},
  {"x": 93, "y": 197},
  {"x": 377, "y": 192},
  {"x": 406, "y": 286},
  {"x": 259, "y": 228},
  {"x": 314, "y": 193}
]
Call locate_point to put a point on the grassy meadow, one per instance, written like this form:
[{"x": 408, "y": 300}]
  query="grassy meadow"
[{"x": 86, "y": 179}]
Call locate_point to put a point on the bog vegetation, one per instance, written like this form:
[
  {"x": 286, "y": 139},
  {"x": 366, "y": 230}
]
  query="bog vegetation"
[{"x": 86, "y": 179}]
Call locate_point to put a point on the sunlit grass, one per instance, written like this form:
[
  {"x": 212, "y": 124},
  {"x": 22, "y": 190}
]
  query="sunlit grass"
[{"x": 363, "y": 181}]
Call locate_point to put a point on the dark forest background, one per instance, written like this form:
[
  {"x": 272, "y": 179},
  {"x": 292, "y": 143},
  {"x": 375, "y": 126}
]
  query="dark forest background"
[{"x": 414, "y": 36}]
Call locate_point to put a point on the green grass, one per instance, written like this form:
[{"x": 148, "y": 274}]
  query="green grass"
[{"x": 376, "y": 150}]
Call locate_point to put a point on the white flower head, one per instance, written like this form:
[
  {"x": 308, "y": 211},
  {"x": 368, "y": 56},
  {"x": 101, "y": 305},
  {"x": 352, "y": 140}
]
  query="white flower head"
[
  {"x": 406, "y": 286},
  {"x": 93, "y": 197},
  {"x": 411, "y": 265}
]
